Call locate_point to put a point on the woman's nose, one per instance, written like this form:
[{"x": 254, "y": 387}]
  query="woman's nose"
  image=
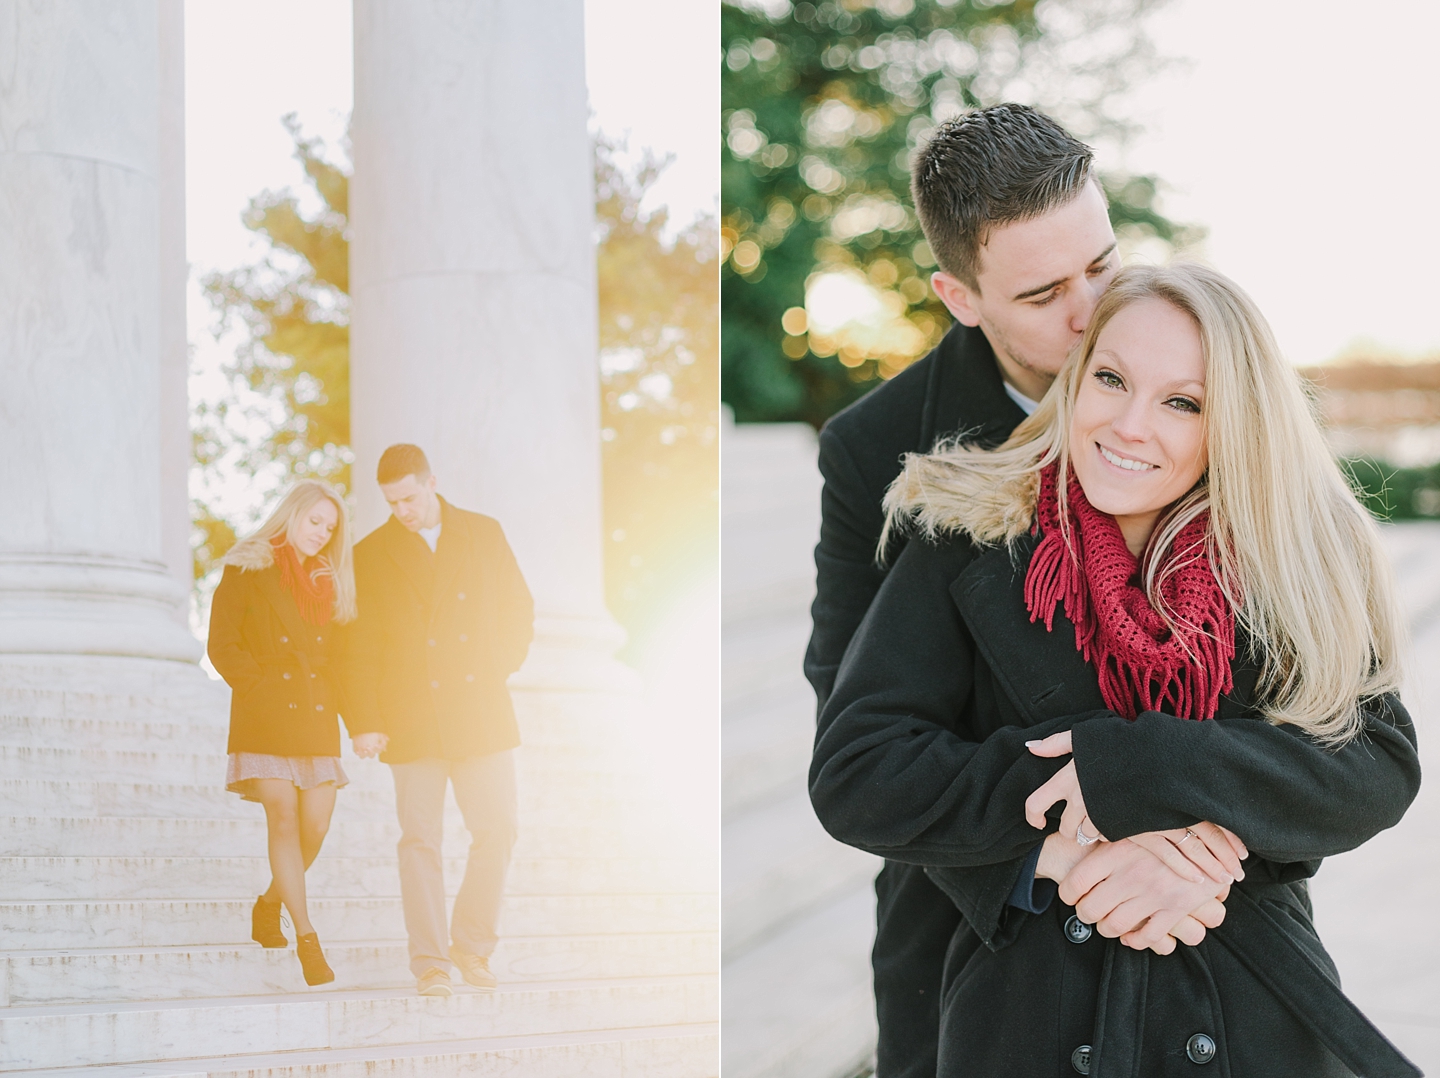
[{"x": 1132, "y": 424}]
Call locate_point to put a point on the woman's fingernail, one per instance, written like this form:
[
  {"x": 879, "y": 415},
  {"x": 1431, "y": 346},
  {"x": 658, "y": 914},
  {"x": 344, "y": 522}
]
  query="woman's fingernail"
[{"x": 1029, "y": 743}]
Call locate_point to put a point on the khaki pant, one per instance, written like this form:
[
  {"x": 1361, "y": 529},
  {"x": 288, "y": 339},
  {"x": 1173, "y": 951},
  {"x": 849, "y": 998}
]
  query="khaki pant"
[{"x": 485, "y": 792}]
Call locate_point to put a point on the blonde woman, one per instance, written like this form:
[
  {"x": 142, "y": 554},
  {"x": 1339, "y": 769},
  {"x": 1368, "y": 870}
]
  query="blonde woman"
[
  {"x": 274, "y": 626},
  {"x": 1160, "y": 603}
]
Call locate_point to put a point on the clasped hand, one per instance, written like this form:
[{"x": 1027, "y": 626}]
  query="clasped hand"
[
  {"x": 367, "y": 745},
  {"x": 1149, "y": 890}
]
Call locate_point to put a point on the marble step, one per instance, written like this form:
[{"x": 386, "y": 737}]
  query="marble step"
[
  {"x": 129, "y": 878},
  {"x": 44, "y": 926},
  {"x": 156, "y": 836},
  {"x": 689, "y": 1051},
  {"x": 74, "y": 797},
  {"x": 800, "y": 1003},
  {"x": 209, "y": 734},
  {"x": 151, "y": 973},
  {"x": 575, "y": 766},
  {"x": 154, "y": 734},
  {"x": 97, "y": 1034},
  {"x": 779, "y": 865}
]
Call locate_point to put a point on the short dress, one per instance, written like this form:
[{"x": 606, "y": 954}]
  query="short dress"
[{"x": 306, "y": 772}]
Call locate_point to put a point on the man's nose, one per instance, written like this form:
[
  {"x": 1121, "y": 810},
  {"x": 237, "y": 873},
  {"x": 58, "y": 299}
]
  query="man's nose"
[{"x": 1087, "y": 296}]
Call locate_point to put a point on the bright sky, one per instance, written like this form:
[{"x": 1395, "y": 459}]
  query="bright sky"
[
  {"x": 1302, "y": 133},
  {"x": 651, "y": 69}
]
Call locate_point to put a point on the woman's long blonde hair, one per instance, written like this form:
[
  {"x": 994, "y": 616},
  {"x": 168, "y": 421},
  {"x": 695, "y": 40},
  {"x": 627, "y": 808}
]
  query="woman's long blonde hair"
[
  {"x": 1297, "y": 555},
  {"x": 335, "y": 557}
]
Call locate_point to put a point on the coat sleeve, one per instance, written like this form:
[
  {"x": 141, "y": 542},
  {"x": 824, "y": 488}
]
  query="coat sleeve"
[
  {"x": 1286, "y": 795},
  {"x": 363, "y": 649},
  {"x": 897, "y": 772},
  {"x": 847, "y": 577},
  {"x": 515, "y": 608},
  {"x": 225, "y": 645}
]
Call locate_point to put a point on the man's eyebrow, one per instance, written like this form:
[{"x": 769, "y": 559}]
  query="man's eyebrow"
[{"x": 1101, "y": 257}]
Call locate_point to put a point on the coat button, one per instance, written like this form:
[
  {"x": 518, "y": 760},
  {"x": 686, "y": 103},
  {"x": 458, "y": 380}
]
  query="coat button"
[
  {"x": 319, "y": 640},
  {"x": 469, "y": 677},
  {"x": 1080, "y": 1059},
  {"x": 286, "y": 675},
  {"x": 284, "y": 640},
  {"x": 292, "y": 707},
  {"x": 312, "y": 675},
  {"x": 1076, "y": 930},
  {"x": 463, "y": 638},
  {"x": 460, "y": 595},
  {"x": 432, "y": 643},
  {"x": 1200, "y": 1048},
  {"x": 434, "y": 684},
  {"x": 319, "y": 707}
]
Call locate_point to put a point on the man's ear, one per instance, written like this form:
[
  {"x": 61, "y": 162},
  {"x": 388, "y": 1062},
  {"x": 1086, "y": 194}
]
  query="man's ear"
[{"x": 958, "y": 297}]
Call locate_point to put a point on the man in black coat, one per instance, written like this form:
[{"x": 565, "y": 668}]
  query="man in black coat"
[
  {"x": 1020, "y": 229},
  {"x": 445, "y": 618}
]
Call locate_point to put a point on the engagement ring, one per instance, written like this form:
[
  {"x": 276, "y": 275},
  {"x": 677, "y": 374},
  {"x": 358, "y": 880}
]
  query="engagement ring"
[
  {"x": 1081, "y": 837},
  {"x": 1189, "y": 834}
]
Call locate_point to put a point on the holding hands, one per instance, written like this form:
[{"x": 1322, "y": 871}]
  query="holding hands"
[
  {"x": 367, "y": 745},
  {"x": 1150, "y": 890}
]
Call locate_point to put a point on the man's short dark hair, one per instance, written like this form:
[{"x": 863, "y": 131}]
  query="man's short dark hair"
[
  {"x": 401, "y": 460},
  {"x": 989, "y": 168}
]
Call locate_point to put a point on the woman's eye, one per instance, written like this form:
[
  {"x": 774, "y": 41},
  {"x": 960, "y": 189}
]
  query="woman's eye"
[
  {"x": 1184, "y": 404},
  {"x": 1110, "y": 378}
]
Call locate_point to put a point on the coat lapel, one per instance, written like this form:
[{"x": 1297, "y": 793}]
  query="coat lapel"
[
  {"x": 1043, "y": 673},
  {"x": 284, "y": 604},
  {"x": 449, "y": 551},
  {"x": 406, "y": 549}
]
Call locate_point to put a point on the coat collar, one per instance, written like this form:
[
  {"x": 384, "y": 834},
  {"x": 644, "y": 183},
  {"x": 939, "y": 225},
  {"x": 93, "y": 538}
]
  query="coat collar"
[
  {"x": 448, "y": 554},
  {"x": 966, "y": 392},
  {"x": 427, "y": 574},
  {"x": 1043, "y": 673},
  {"x": 284, "y": 604}
]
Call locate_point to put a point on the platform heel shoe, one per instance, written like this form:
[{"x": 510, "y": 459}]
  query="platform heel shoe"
[
  {"x": 265, "y": 924},
  {"x": 312, "y": 960}
]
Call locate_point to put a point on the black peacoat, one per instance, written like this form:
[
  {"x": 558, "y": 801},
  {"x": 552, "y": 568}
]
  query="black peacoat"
[
  {"x": 436, "y": 638},
  {"x": 920, "y": 757},
  {"x": 956, "y": 388},
  {"x": 284, "y": 689}
]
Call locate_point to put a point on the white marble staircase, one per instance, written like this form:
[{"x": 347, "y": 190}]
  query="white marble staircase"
[
  {"x": 798, "y": 907},
  {"x": 127, "y": 874}
]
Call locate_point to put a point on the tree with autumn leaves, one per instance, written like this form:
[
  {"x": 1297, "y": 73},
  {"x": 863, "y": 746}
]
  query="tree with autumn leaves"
[
  {"x": 823, "y": 104},
  {"x": 287, "y": 414}
]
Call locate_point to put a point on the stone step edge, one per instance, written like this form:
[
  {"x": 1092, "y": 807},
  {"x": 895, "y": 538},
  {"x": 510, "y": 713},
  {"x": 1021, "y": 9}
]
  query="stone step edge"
[
  {"x": 339, "y": 995},
  {"x": 105, "y": 952},
  {"x": 439, "y": 1050}
]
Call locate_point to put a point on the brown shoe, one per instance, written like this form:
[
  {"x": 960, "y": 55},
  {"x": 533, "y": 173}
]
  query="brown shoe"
[
  {"x": 265, "y": 924},
  {"x": 312, "y": 960},
  {"x": 475, "y": 969},
  {"x": 433, "y": 982}
]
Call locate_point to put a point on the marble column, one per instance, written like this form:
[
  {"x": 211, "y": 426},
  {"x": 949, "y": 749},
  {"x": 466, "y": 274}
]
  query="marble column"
[
  {"x": 473, "y": 281},
  {"x": 83, "y": 567}
]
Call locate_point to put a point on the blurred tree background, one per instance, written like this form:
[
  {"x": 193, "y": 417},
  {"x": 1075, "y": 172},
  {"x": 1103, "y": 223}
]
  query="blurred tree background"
[
  {"x": 824, "y": 278},
  {"x": 286, "y": 411}
]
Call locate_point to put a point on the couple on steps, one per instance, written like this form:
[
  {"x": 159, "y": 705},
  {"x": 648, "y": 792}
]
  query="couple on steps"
[{"x": 410, "y": 637}]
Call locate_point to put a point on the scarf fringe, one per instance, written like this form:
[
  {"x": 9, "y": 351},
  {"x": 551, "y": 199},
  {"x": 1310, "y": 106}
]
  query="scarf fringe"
[{"x": 1182, "y": 670}]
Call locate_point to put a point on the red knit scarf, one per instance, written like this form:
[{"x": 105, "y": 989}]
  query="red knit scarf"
[
  {"x": 314, "y": 596},
  {"x": 1143, "y": 665}
]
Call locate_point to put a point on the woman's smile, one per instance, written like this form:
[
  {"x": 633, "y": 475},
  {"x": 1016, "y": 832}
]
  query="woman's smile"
[{"x": 1128, "y": 464}]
